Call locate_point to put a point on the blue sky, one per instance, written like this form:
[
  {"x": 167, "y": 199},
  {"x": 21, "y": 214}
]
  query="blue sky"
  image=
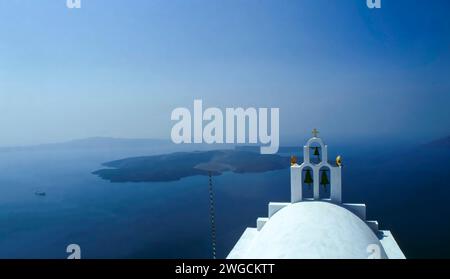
[{"x": 118, "y": 68}]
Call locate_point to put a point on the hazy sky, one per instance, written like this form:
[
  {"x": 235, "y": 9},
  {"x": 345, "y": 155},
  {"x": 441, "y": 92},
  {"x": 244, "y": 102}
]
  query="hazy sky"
[{"x": 119, "y": 67}]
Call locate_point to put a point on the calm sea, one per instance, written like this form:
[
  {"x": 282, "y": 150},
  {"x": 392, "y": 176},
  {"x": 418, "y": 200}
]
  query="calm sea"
[{"x": 171, "y": 219}]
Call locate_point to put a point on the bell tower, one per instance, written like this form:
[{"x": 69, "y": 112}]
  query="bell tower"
[{"x": 313, "y": 170}]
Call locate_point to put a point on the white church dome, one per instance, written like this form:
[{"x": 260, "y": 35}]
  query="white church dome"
[{"x": 315, "y": 230}]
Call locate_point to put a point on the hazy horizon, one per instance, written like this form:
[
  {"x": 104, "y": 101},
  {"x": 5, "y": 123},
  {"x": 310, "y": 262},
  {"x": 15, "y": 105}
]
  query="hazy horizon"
[
  {"x": 118, "y": 68},
  {"x": 335, "y": 142}
]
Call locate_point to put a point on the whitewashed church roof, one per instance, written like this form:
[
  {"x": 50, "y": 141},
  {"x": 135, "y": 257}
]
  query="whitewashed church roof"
[
  {"x": 316, "y": 227},
  {"x": 315, "y": 230}
]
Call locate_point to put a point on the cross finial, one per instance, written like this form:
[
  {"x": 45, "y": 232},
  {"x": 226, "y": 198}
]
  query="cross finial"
[{"x": 315, "y": 132}]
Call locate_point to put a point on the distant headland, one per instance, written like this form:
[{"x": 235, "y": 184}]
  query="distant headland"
[{"x": 174, "y": 166}]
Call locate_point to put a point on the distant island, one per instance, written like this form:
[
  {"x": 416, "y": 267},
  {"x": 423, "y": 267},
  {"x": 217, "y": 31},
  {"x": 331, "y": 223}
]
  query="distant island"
[
  {"x": 443, "y": 142},
  {"x": 174, "y": 166}
]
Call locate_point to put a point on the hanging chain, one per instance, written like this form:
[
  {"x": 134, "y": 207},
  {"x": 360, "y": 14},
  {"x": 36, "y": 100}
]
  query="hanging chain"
[{"x": 212, "y": 216}]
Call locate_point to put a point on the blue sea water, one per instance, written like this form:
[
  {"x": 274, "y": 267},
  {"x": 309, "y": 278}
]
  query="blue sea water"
[
  {"x": 121, "y": 220},
  {"x": 171, "y": 219}
]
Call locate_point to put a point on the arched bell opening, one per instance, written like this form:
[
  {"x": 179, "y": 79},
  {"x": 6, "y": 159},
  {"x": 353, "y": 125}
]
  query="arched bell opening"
[
  {"x": 315, "y": 153},
  {"x": 308, "y": 183},
  {"x": 324, "y": 183}
]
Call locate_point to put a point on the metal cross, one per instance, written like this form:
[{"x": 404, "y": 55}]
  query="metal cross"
[{"x": 315, "y": 132}]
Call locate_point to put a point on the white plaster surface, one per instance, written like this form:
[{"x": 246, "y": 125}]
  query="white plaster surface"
[
  {"x": 391, "y": 247},
  {"x": 315, "y": 230}
]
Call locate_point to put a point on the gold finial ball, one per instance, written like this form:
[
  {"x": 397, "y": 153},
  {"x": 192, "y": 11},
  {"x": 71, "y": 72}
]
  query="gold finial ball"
[
  {"x": 339, "y": 161},
  {"x": 293, "y": 160}
]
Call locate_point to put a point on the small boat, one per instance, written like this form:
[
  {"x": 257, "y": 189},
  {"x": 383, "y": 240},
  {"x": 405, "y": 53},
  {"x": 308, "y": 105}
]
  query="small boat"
[{"x": 40, "y": 193}]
